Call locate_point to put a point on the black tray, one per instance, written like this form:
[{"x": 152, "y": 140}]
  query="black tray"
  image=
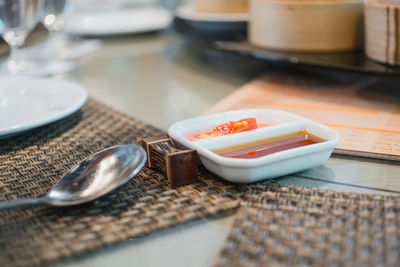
[
  {"x": 343, "y": 61},
  {"x": 212, "y": 30}
]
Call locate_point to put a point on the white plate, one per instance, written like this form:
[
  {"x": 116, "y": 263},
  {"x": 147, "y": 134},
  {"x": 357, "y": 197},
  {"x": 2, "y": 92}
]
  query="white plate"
[
  {"x": 252, "y": 170},
  {"x": 187, "y": 12},
  {"x": 28, "y": 103},
  {"x": 118, "y": 22}
]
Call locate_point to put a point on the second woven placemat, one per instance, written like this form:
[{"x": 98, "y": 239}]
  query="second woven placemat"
[
  {"x": 31, "y": 163},
  {"x": 288, "y": 226}
]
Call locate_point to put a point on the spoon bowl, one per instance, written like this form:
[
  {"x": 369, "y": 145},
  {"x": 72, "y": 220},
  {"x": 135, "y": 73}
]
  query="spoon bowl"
[{"x": 91, "y": 178}]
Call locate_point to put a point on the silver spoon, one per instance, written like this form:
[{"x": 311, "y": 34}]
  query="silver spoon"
[{"x": 91, "y": 178}]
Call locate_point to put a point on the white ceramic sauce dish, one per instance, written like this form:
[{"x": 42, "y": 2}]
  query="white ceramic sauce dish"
[{"x": 240, "y": 170}]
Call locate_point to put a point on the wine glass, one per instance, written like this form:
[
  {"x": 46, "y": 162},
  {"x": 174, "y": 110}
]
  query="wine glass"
[
  {"x": 18, "y": 18},
  {"x": 58, "y": 47},
  {"x": 53, "y": 19}
]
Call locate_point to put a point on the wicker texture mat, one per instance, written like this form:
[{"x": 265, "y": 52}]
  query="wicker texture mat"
[
  {"x": 285, "y": 226},
  {"x": 275, "y": 226},
  {"x": 31, "y": 163}
]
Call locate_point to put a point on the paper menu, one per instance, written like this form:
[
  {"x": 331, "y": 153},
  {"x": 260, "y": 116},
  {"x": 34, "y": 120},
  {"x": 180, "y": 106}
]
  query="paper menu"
[{"x": 365, "y": 111}]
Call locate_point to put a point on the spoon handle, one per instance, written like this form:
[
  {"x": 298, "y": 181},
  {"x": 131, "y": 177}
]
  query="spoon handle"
[{"x": 20, "y": 203}]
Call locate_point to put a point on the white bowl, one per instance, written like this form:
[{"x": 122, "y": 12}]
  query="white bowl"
[{"x": 266, "y": 167}]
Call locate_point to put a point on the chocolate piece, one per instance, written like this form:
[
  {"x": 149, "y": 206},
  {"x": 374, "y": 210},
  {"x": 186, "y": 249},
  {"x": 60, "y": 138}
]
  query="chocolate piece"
[{"x": 178, "y": 165}]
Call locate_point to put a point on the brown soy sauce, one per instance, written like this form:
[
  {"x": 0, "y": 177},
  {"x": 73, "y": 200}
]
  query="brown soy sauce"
[{"x": 269, "y": 146}]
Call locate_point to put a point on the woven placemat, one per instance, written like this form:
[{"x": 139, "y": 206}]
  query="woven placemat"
[
  {"x": 287, "y": 226},
  {"x": 32, "y": 162},
  {"x": 276, "y": 225}
]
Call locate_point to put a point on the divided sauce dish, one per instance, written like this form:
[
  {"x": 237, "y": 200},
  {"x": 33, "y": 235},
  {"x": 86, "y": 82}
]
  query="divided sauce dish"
[{"x": 244, "y": 170}]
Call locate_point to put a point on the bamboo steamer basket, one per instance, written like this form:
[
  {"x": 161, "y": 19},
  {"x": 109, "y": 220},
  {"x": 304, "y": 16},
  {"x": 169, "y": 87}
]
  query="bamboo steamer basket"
[
  {"x": 306, "y": 25},
  {"x": 221, "y": 6},
  {"x": 382, "y": 30}
]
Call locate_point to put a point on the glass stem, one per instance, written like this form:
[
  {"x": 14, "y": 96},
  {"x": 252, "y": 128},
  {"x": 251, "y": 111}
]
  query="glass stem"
[
  {"x": 12, "y": 62},
  {"x": 55, "y": 38},
  {"x": 13, "y": 52},
  {"x": 52, "y": 35}
]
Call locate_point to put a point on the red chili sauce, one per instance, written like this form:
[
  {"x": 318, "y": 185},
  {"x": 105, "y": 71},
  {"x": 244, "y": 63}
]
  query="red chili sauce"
[
  {"x": 269, "y": 146},
  {"x": 230, "y": 127}
]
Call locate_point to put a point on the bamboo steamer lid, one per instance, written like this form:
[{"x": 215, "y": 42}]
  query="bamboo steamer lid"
[
  {"x": 306, "y": 25},
  {"x": 221, "y": 6},
  {"x": 382, "y": 30}
]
